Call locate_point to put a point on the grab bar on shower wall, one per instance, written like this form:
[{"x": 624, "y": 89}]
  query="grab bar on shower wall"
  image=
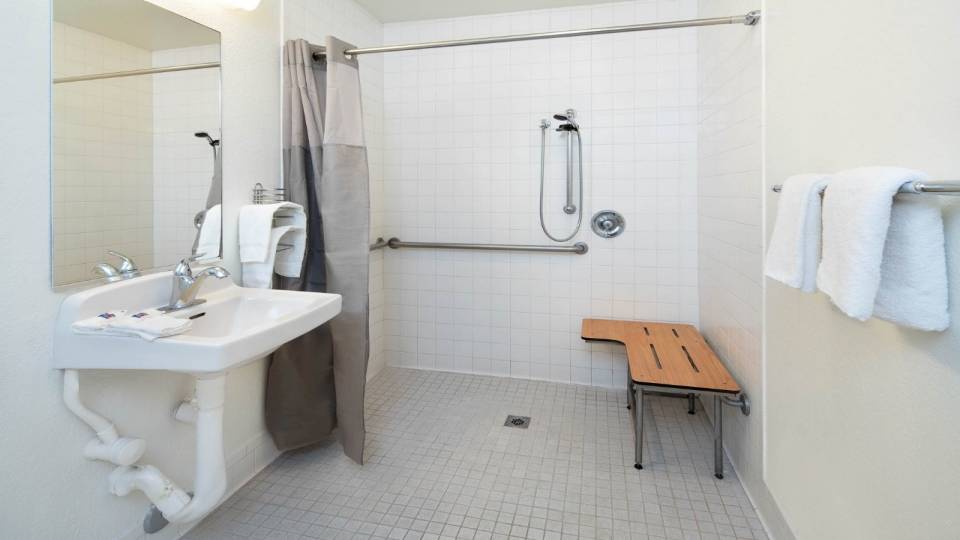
[{"x": 395, "y": 243}]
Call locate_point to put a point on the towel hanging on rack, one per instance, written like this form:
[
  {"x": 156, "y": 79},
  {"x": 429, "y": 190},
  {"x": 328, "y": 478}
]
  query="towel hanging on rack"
[{"x": 884, "y": 257}]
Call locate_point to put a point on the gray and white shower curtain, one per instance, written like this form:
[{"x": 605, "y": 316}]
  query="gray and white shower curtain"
[{"x": 315, "y": 384}]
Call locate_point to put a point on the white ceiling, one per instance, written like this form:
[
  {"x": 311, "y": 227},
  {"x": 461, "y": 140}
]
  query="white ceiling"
[
  {"x": 135, "y": 22},
  {"x": 413, "y": 10}
]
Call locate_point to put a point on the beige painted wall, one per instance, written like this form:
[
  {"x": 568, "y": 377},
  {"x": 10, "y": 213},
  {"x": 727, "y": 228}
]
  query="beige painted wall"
[{"x": 861, "y": 433}]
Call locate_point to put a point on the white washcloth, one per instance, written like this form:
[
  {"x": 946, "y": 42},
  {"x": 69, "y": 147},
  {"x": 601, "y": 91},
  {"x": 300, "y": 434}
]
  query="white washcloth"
[
  {"x": 795, "y": 242},
  {"x": 259, "y": 274},
  {"x": 289, "y": 261},
  {"x": 861, "y": 256},
  {"x": 208, "y": 245},
  {"x": 149, "y": 324},
  {"x": 98, "y": 323},
  {"x": 255, "y": 223}
]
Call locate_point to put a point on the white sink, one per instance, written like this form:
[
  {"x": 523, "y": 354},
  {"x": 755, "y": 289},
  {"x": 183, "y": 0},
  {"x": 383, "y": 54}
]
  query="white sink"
[{"x": 234, "y": 326}]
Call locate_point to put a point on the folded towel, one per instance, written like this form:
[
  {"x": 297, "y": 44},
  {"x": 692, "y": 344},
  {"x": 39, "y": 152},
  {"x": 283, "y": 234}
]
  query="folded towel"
[
  {"x": 863, "y": 254},
  {"x": 913, "y": 277},
  {"x": 150, "y": 325},
  {"x": 795, "y": 242},
  {"x": 208, "y": 244},
  {"x": 257, "y": 220},
  {"x": 289, "y": 261},
  {"x": 258, "y": 274},
  {"x": 97, "y": 323}
]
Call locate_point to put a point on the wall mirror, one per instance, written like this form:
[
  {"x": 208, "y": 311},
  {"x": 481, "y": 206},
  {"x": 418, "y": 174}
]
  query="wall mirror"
[{"x": 136, "y": 138}]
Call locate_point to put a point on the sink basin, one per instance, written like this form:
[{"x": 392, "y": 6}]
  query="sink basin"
[{"x": 234, "y": 326}]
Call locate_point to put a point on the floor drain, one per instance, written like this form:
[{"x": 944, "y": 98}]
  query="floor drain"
[{"x": 522, "y": 422}]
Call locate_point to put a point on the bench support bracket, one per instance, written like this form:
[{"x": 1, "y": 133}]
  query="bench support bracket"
[{"x": 741, "y": 402}]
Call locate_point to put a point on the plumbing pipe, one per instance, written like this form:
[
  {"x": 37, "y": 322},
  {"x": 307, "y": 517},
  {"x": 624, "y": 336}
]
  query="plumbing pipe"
[
  {"x": 109, "y": 445},
  {"x": 210, "y": 477},
  {"x": 161, "y": 491},
  {"x": 105, "y": 431},
  {"x": 124, "y": 451},
  {"x": 186, "y": 411}
]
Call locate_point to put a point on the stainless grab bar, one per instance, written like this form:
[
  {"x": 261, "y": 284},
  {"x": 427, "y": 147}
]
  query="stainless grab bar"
[{"x": 578, "y": 248}]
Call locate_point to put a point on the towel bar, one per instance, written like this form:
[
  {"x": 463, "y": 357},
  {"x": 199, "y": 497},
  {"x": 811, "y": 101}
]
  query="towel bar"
[{"x": 948, "y": 187}]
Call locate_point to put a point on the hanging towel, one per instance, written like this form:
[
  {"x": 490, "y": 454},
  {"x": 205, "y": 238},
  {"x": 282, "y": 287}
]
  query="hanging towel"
[
  {"x": 208, "y": 243},
  {"x": 289, "y": 261},
  {"x": 863, "y": 253},
  {"x": 257, "y": 220},
  {"x": 259, "y": 274},
  {"x": 913, "y": 277},
  {"x": 794, "y": 250}
]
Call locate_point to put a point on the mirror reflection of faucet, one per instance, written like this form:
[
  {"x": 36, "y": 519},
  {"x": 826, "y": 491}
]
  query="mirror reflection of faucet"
[{"x": 128, "y": 269}]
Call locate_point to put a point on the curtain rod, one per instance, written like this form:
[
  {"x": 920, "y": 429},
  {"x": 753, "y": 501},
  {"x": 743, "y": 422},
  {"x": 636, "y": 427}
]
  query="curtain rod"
[
  {"x": 749, "y": 19},
  {"x": 135, "y": 72}
]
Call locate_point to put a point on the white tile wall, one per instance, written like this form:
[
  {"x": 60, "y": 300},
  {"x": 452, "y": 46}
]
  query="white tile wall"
[
  {"x": 461, "y": 162},
  {"x": 345, "y": 19},
  {"x": 183, "y": 103},
  {"x": 730, "y": 219},
  {"x": 102, "y": 160}
]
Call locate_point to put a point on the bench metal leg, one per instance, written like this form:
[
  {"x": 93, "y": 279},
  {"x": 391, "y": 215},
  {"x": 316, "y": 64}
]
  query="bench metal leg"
[
  {"x": 691, "y": 404},
  {"x": 717, "y": 436},
  {"x": 638, "y": 434},
  {"x": 630, "y": 401}
]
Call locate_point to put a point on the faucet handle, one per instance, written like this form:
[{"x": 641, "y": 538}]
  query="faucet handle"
[
  {"x": 183, "y": 267},
  {"x": 127, "y": 266}
]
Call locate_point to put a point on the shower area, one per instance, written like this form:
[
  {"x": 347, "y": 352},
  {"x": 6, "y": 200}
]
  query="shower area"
[{"x": 522, "y": 144}]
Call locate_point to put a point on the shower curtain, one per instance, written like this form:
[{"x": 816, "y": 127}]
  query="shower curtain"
[{"x": 315, "y": 384}]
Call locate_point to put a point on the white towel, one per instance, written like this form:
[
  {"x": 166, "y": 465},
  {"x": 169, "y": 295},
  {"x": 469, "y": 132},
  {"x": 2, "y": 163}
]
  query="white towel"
[
  {"x": 150, "y": 325},
  {"x": 208, "y": 245},
  {"x": 289, "y": 261},
  {"x": 97, "y": 323},
  {"x": 913, "y": 282},
  {"x": 259, "y": 274},
  {"x": 863, "y": 254},
  {"x": 255, "y": 223},
  {"x": 795, "y": 242}
]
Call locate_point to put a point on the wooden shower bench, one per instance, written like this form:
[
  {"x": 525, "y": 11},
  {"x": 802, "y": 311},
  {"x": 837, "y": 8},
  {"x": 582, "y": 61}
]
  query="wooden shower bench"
[{"x": 669, "y": 356}]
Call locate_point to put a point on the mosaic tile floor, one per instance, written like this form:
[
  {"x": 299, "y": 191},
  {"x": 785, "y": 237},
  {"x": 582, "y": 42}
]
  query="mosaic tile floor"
[{"x": 440, "y": 464}]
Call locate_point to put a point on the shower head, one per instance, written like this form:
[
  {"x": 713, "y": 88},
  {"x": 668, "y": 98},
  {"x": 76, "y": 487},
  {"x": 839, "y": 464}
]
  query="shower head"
[
  {"x": 568, "y": 117},
  {"x": 205, "y": 135}
]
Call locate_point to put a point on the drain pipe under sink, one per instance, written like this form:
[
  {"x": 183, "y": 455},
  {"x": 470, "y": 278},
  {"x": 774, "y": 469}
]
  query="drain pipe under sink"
[{"x": 210, "y": 477}]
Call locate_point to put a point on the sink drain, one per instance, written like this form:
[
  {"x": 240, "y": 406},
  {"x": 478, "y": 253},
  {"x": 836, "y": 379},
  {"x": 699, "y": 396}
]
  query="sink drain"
[{"x": 522, "y": 422}]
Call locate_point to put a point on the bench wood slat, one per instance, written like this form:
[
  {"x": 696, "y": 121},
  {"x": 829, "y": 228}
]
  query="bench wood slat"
[{"x": 701, "y": 370}]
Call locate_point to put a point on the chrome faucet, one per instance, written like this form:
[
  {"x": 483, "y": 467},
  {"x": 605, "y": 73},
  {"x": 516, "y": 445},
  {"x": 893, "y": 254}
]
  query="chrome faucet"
[
  {"x": 128, "y": 269},
  {"x": 186, "y": 285}
]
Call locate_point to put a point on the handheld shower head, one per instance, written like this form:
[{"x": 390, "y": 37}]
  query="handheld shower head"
[
  {"x": 568, "y": 118},
  {"x": 205, "y": 135}
]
